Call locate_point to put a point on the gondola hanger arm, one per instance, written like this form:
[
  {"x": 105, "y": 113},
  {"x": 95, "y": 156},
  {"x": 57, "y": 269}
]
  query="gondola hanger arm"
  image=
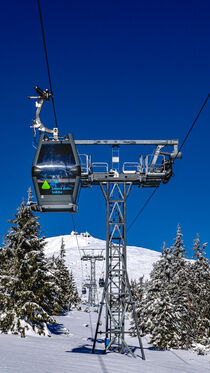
[{"x": 37, "y": 124}]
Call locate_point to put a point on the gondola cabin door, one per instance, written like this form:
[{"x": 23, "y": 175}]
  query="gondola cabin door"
[{"x": 56, "y": 174}]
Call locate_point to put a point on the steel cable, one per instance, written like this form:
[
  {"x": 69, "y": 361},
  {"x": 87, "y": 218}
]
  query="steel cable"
[
  {"x": 181, "y": 146},
  {"x": 77, "y": 242},
  {"x": 47, "y": 60}
]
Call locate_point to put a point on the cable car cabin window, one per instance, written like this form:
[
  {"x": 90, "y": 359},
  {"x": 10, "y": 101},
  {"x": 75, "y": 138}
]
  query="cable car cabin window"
[{"x": 55, "y": 162}]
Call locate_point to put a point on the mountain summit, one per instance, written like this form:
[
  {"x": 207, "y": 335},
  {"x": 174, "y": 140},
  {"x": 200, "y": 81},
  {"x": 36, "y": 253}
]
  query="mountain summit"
[{"x": 139, "y": 259}]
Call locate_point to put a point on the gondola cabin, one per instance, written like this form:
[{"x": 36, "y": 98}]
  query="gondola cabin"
[
  {"x": 56, "y": 174},
  {"x": 101, "y": 282},
  {"x": 84, "y": 291}
]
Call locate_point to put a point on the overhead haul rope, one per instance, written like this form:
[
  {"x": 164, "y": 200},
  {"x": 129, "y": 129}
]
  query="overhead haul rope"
[
  {"x": 47, "y": 60},
  {"x": 56, "y": 122},
  {"x": 142, "y": 208},
  {"x": 78, "y": 248},
  {"x": 180, "y": 148},
  {"x": 53, "y": 103},
  {"x": 193, "y": 124}
]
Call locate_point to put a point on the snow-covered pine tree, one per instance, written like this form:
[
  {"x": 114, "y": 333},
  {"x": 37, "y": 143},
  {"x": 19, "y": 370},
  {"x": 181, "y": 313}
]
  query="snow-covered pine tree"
[
  {"x": 179, "y": 291},
  {"x": 66, "y": 289},
  {"x": 6, "y": 280},
  {"x": 27, "y": 291},
  {"x": 165, "y": 305},
  {"x": 157, "y": 304},
  {"x": 200, "y": 294},
  {"x": 75, "y": 299},
  {"x": 137, "y": 290},
  {"x": 175, "y": 307},
  {"x": 62, "y": 250},
  {"x": 163, "y": 331}
]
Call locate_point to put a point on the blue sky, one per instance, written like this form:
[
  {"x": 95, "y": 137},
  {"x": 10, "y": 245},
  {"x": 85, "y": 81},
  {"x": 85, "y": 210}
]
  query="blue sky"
[{"x": 120, "y": 69}]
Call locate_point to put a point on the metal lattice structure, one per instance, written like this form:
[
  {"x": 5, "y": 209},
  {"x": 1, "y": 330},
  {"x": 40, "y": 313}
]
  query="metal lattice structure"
[
  {"x": 91, "y": 284},
  {"x": 117, "y": 294},
  {"x": 116, "y": 184}
]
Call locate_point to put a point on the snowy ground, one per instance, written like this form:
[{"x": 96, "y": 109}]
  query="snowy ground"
[
  {"x": 71, "y": 352},
  {"x": 63, "y": 353}
]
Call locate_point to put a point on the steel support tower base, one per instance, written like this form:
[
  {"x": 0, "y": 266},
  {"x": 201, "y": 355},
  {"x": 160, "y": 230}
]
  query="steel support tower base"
[{"x": 117, "y": 296}]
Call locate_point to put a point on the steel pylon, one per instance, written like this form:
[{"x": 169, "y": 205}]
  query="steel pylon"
[
  {"x": 91, "y": 285},
  {"x": 117, "y": 294}
]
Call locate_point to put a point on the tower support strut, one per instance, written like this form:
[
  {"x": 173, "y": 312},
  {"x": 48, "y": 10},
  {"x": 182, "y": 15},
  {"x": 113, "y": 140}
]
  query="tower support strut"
[{"x": 117, "y": 296}]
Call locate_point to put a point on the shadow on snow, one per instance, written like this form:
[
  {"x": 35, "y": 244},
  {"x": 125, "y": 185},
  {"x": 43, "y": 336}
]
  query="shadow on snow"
[
  {"x": 57, "y": 329},
  {"x": 86, "y": 349}
]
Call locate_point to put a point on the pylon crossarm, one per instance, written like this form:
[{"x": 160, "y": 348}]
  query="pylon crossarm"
[{"x": 155, "y": 157}]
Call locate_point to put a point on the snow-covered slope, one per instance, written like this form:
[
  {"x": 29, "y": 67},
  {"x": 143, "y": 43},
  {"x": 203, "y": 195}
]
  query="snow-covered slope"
[
  {"x": 71, "y": 353},
  {"x": 139, "y": 260},
  {"x": 69, "y": 348}
]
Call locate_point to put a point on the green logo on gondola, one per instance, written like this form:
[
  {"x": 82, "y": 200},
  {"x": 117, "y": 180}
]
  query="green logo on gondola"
[{"x": 45, "y": 185}]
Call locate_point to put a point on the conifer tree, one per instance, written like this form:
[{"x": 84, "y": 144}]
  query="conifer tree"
[
  {"x": 137, "y": 290},
  {"x": 175, "y": 306},
  {"x": 200, "y": 294},
  {"x": 66, "y": 289},
  {"x": 158, "y": 310},
  {"x": 62, "y": 250},
  {"x": 163, "y": 331},
  {"x": 180, "y": 292},
  {"x": 27, "y": 292},
  {"x": 165, "y": 312},
  {"x": 74, "y": 292}
]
